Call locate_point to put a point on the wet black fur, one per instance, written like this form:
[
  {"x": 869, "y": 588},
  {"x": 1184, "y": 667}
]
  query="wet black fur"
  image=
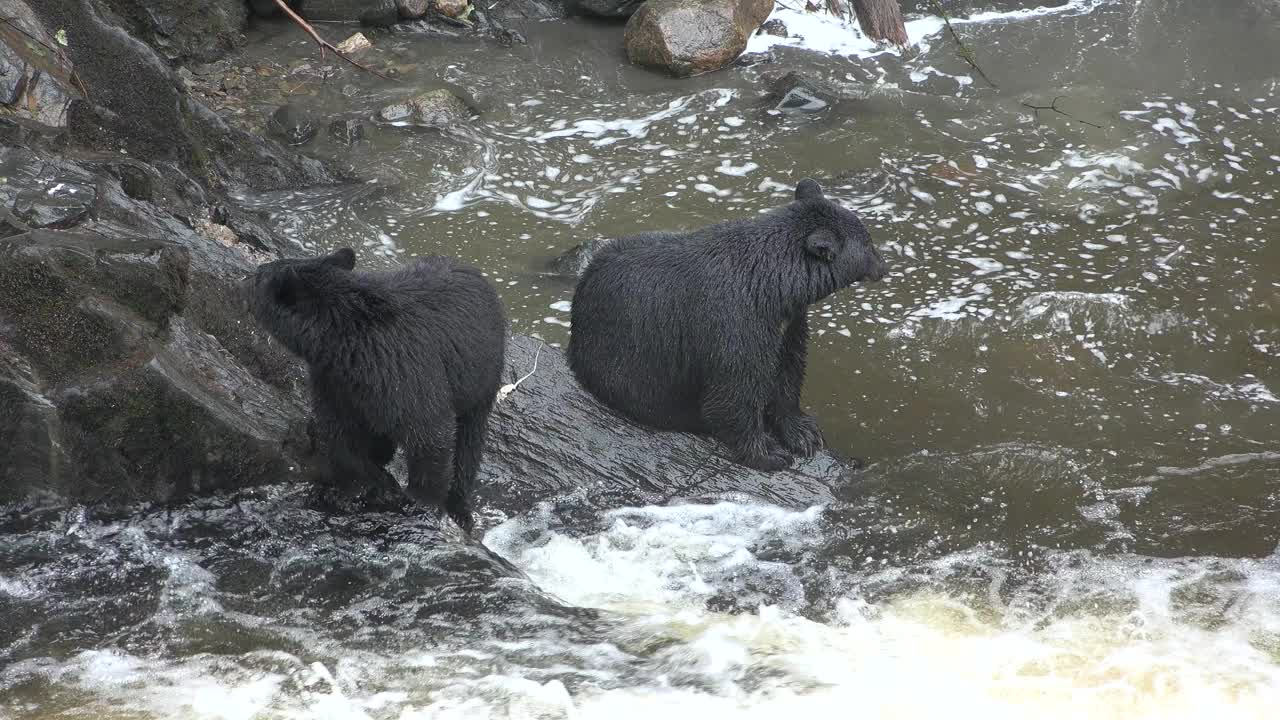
[
  {"x": 411, "y": 357},
  {"x": 705, "y": 331}
]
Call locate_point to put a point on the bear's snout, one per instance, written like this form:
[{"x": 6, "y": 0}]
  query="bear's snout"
[{"x": 878, "y": 268}]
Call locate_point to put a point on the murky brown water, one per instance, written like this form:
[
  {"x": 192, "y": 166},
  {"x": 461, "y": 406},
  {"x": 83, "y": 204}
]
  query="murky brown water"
[{"x": 1067, "y": 388}]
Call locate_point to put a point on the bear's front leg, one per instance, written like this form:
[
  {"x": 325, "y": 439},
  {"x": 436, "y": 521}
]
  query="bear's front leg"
[
  {"x": 734, "y": 413},
  {"x": 356, "y": 457},
  {"x": 798, "y": 431}
]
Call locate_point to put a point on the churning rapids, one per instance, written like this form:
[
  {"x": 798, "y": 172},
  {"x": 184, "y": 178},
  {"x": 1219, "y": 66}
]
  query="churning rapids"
[{"x": 1067, "y": 393}]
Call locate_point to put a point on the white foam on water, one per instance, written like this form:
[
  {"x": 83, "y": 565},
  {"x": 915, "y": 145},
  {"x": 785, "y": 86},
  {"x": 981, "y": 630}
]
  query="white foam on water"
[
  {"x": 824, "y": 33},
  {"x": 1117, "y": 640}
]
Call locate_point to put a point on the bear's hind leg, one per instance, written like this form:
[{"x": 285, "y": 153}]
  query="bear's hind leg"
[
  {"x": 468, "y": 453},
  {"x": 798, "y": 431},
  {"x": 733, "y": 412}
]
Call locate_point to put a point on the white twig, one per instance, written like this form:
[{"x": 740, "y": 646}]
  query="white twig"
[{"x": 509, "y": 388}]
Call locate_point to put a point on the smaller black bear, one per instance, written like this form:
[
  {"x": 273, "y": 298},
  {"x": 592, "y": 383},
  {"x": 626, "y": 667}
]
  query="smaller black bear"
[
  {"x": 410, "y": 357},
  {"x": 705, "y": 331}
]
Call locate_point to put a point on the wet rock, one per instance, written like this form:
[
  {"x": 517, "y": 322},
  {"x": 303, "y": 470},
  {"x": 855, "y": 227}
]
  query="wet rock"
[
  {"x": 354, "y": 44},
  {"x": 138, "y": 106},
  {"x": 688, "y": 37},
  {"x": 794, "y": 92},
  {"x": 435, "y": 108},
  {"x": 185, "y": 31},
  {"x": 379, "y": 13},
  {"x": 56, "y": 204},
  {"x": 36, "y": 81},
  {"x": 603, "y": 8},
  {"x": 550, "y": 438},
  {"x": 411, "y": 9},
  {"x": 293, "y": 125},
  {"x": 774, "y": 27},
  {"x": 346, "y": 132},
  {"x": 573, "y": 261}
]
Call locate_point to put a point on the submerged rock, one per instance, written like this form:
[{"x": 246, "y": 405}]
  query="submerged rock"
[
  {"x": 346, "y": 132},
  {"x": 794, "y": 92},
  {"x": 293, "y": 125},
  {"x": 688, "y": 37}
]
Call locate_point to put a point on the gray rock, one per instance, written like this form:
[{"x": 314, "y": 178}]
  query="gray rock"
[
  {"x": 346, "y": 132},
  {"x": 36, "y": 82},
  {"x": 137, "y": 105},
  {"x": 688, "y": 37},
  {"x": 293, "y": 125},
  {"x": 412, "y": 9},
  {"x": 57, "y": 204},
  {"x": 434, "y": 108},
  {"x": 551, "y": 438},
  {"x": 603, "y": 8}
]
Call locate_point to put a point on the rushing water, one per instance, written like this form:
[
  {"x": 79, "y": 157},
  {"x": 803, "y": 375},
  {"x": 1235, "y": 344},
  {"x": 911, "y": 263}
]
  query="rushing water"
[{"x": 1067, "y": 392}]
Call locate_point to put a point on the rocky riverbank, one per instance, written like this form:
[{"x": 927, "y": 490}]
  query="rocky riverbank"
[{"x": 128, "y": 368}]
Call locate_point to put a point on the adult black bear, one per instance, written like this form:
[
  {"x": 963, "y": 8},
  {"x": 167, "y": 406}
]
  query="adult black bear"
[
  {"x": 705, "y": 331},
  {"x": 411, "y": 357}
]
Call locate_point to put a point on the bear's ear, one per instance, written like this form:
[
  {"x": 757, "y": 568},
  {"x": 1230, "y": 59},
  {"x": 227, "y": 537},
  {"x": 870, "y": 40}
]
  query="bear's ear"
[
  {"x": 808, "y": 189},
  {"x": 821, "y": 244},
  {"x": 344, "y": 258},
  {"x": 287, "y": 287}
]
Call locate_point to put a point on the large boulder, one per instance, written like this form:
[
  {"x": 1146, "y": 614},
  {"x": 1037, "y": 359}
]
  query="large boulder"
[
  {"x": 36, "y": 76},
  {"x": 688, "y": 37},
  {"x": 118, "y": 396},
  {"x": 550, "y": 438}
]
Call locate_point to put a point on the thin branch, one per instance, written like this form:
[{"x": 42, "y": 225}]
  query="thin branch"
[
  {"x": 10, "y": 21},
  {"x": 965, "y": 53},
  {"x": 1054, "y": 107},
  {"x": 324, "y": 44}
]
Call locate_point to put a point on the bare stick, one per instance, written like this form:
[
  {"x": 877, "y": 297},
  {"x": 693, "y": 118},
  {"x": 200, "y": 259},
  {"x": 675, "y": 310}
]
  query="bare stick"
[
  {"x": 506, "y": 390},
  {"x": 324, "y": 44},
  {"x": 1054, "y": 107},
  {"x": 965, "y": 53}
]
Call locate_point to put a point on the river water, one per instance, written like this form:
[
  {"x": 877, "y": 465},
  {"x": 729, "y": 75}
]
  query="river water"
[{"x": 1066, "y": 393}]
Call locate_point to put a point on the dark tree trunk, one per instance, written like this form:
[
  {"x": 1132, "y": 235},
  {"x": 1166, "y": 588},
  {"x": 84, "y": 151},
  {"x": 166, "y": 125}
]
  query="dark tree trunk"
[{"x": 881, "y": 20}]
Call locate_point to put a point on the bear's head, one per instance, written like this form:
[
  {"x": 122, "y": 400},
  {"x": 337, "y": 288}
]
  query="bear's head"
[
  {"x": 291, "y": 298},
  {"x": 837, "y": 242}
]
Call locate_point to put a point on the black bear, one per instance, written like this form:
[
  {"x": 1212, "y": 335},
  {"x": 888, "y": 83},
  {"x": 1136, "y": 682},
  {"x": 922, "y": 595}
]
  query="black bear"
[
  {"x": 705, "y": 331},
  {"x": 410, "y": 358}
]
